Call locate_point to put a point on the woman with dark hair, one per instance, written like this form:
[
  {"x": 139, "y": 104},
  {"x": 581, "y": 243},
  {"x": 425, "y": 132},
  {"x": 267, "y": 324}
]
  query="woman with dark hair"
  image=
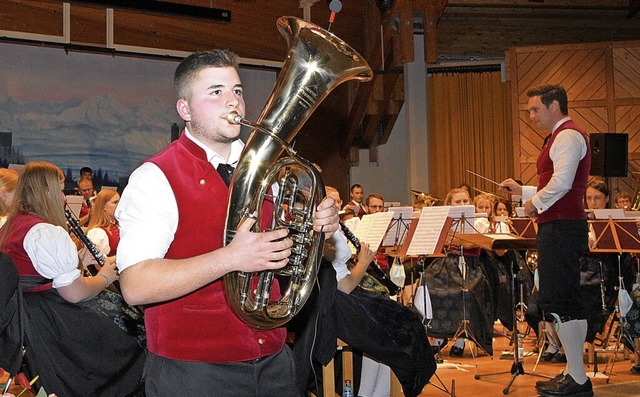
[{"x": 82, "y": 339}]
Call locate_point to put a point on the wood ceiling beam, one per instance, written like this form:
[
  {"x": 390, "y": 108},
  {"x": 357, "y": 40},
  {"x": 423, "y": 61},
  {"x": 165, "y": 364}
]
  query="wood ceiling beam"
[
  {"x": 390, "y": 52},
  {"x": 432, "y": 10}
]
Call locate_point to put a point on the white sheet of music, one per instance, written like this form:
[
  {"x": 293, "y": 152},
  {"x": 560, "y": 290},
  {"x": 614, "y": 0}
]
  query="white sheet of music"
[
  {"x": 399, "y": 226},
  {"x": 463, "y": 218},
  {"x": 606, "y": 213},
  {"x": 75, "y": 204},
  {"x": 427, "y": 233},
  {"x": 497, "y": 236},
  {"x": 372, "y": 228}
]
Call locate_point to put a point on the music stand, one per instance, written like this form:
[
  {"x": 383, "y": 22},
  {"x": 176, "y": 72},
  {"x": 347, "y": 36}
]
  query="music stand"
[
  {"x": 398, "y": 227},
  {"x": 494, "y": 242},
  {"x": 462, "y": 224},
  {"x": 425, "y": 237},
  {"x": 616, "y": 236}
]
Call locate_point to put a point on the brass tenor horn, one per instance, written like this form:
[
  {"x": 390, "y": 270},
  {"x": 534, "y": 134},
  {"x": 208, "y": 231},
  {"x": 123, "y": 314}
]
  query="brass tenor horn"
[{"x": 316, "y": 63}]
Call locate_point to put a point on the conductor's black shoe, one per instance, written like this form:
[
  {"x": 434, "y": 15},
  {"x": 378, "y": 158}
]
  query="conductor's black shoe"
[
  {"x": 566, "y": 387},
  {"x": 456, "y": 351},
  {"x": 545, "y": 383},
  {"x": 548, "y": 356}
]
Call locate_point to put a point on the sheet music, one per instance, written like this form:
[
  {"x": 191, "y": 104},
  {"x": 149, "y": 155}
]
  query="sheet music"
[
  {"x": 75, "y": 204},
  {"x": 468, "y": 212},
  {"x": 501, "y": 236},
  {"x": 373, "y": 227},
  {"x": 399, "y": 226},
  {"x": 428, "y": 230},
  {"x": 632, "y": 214},
  {"x": 606, "y": 213}
]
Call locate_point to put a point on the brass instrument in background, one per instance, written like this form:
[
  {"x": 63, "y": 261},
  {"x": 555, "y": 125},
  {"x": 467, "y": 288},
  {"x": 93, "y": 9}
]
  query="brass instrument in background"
[
  {"x": 316, "y": 63},
  {"x": 426, "y": 198},
  {"x": 635, "y": 204},
  {"x": 531, "y": 259},
  {"x": 492, "y": 196}
]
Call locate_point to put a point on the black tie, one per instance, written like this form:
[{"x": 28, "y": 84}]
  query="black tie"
[
  {"x": 546, "y": 140},
  {"x": 225, "y": 171}
]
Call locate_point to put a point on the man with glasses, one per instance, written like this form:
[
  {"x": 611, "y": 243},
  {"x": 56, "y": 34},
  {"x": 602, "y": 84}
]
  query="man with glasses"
[
  {"x": 375, "y": 203},
  {"x": 85, "y": 188}
]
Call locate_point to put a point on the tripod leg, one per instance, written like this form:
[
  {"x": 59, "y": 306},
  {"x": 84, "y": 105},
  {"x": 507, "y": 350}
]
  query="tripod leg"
[{"x": 517, "y": 368}]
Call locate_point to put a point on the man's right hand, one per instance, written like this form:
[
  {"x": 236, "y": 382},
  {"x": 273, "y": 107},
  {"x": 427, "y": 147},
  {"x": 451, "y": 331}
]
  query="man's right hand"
[{"x": 511, "y": 186}]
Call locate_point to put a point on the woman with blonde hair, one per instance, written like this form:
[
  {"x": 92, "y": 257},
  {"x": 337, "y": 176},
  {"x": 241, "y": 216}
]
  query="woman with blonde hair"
[
  {"x": 103, "y": 229},
  {"x": 66, "y": 310}
]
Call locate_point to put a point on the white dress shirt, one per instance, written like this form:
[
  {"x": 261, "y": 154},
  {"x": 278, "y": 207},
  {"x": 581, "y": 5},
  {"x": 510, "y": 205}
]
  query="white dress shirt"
[{"x": 148, "y": 211}]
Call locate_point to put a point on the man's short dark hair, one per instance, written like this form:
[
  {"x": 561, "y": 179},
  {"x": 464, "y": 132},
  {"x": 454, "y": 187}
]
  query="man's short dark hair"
[
  {"x": 194, "y": 63},
  {"x": 548, "y": 93},
  {"x": 354, "y": 186}
]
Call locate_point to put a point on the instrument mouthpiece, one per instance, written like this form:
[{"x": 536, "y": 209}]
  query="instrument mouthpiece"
[{"x": 234, "y": 118}]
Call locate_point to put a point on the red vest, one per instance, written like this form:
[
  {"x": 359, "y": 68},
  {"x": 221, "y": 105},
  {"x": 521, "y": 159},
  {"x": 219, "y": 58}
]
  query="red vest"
[
  {"x": 571, "y": 205},
  {"x": 14, "y": 243},
  {"x": 14, "y": 246},
  {"x": 113, "y": 234},
  {"x": 201, "y": 326}
]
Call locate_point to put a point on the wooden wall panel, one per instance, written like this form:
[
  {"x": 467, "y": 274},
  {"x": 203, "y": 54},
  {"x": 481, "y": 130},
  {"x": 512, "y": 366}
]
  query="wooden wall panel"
[
  {"x": 603, "y": 84},
  {"x": 626, "y": 74}
]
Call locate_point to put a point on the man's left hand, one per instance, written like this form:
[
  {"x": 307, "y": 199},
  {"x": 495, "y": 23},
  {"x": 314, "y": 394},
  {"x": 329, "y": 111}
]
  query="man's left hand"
[{"x": 530, "y": 209}]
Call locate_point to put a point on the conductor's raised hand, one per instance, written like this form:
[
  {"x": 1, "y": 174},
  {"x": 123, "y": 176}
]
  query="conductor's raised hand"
[
  {"x": 253, "y": 251},
  {"x": 512, "y": 186},
  {"x": 326, "y": 218}
]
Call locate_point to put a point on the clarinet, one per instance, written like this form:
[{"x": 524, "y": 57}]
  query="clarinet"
[
  {"x": 376, "y": 271},
  {"x": 77, "y": 231}
]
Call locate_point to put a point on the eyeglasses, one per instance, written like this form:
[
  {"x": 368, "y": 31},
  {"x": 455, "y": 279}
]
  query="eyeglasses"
[
  {"x": 86, "y": 190},
  {"x": 377, "y": 207}
]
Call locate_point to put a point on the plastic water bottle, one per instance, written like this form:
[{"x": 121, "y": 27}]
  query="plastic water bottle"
[{"x": 347, "y": 391}]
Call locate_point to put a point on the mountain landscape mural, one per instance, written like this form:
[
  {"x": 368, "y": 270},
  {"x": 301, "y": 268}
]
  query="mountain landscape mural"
[{"x": 106, "y": 112}]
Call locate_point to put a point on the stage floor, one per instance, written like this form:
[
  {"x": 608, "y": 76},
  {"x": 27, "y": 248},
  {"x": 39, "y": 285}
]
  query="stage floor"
[{"x": 463, "y": 371}]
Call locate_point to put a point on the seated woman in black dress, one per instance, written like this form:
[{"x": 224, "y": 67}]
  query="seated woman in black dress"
[{"x": 80, "y": 339}]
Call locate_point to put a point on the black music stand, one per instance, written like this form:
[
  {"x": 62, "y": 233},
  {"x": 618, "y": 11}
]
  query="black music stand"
[
  {"x": 617, "y": 236},
  {"x": 459, "y": 225},
  {"x": 425, "y": 322},
  {"x": 507, "y": 242},
  {"x": 401, "y": 249}
]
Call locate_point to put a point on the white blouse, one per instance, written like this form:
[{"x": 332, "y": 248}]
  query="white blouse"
[
  {"x": 100, "y": 239},
  {"x": 52, "y": 253},
  {"x": 338, "y": 252}
]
